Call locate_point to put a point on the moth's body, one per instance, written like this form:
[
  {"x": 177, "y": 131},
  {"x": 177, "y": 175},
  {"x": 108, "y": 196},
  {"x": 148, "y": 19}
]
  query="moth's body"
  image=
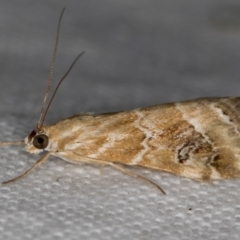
[{"x": 197, "y": 139}]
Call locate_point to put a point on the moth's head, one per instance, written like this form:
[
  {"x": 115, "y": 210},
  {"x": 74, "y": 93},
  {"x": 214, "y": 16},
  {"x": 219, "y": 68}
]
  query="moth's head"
[{"x": 37, "y": 141}]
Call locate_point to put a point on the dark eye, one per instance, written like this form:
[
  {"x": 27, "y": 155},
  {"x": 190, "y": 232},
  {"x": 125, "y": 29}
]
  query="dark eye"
[{"x": 40, "y": 141}]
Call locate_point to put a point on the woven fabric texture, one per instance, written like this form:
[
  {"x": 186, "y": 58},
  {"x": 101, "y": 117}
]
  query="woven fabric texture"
[{"x": 137, "y": 53}]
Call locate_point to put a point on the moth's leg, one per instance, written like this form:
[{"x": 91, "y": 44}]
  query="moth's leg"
[
  {"x": 136, "y": 175},
  {"x": 21, "y": 142},
  {"x": 79, "y": 158},
  {"x": 40, "y": 161},
  {"x": 101, "y": 168}
]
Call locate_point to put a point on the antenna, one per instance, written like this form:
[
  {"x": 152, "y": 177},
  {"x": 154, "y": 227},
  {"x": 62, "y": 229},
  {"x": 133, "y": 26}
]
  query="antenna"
[
  {"x": 51, "y": 72},
  {"x": 55, "y": 91}
]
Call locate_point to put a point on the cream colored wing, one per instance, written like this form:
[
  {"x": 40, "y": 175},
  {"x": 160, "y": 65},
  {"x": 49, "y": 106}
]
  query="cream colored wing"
[{"x": 196, "y": 139}]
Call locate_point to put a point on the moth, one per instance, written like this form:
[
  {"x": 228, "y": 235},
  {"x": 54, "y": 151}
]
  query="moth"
[{"x": 196, "y": 139}]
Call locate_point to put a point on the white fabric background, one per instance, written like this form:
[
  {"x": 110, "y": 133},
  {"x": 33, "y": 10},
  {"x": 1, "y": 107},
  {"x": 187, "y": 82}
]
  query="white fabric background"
[{"x": 138, "y": 53}]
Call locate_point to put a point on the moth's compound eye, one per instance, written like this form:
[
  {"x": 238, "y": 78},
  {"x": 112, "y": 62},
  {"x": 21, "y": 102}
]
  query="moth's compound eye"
[{"x": 40, "y": 141}]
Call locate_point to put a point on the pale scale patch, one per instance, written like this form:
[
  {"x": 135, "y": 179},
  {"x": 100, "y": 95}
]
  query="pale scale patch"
[
  {"x": 224, "y": 117},
  {"x": 73, "y": 146},
  {"x": 111, "y": 139},
  {"x": 192, "y": 174},
  {"x": 215, "y": 174},
  {"x": 66, "y": 134},
  {"x": 197, "y": 175},
  {"x": 194, "y": 122},
  {"x": 52, "y": 146},
  {"x": 144, "y": 143},
  {"x": 187, "y": 133}
]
